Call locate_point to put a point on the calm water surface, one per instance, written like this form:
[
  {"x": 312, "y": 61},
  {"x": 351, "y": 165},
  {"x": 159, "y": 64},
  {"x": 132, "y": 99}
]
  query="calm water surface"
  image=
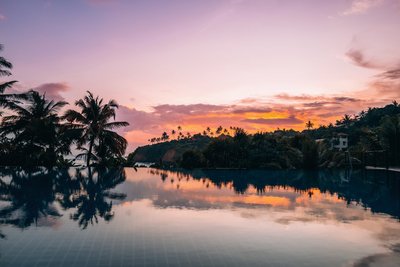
[{"x": 202, "y": 218}]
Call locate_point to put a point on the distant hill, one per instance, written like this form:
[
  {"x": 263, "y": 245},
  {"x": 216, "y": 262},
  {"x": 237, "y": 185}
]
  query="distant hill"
[
  {"x": 170, "y": 151},
  {"x": 372, "y": 137}
]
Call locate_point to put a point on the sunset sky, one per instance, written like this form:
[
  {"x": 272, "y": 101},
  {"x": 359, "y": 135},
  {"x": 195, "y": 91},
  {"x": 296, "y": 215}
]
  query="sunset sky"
[{"x": 257, "y": 64}]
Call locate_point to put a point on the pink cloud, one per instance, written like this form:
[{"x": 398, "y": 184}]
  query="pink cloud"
[
  {"x": 393, "y": 74},
  {"x": 361, "y": 6},
  {"x": 358, "y": 58},
  {"x": 99, "y": 2},
  {"x": 53, "y": 90},
  {"x": 291, "y": 120}
]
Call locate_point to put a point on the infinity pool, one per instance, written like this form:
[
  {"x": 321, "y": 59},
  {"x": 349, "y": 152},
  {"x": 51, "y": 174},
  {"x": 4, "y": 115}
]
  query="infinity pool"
[{"x": 149, "y": 217}]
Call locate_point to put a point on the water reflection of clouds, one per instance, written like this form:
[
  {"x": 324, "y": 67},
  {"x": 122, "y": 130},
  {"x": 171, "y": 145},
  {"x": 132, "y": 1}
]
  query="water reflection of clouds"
[
  {"x": 356, "y": 216},
  {"x": 285, "y": 204},
  {"x": 204, "y": 193}
]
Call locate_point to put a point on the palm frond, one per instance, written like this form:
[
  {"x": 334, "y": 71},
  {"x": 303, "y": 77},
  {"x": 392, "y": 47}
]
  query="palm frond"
[
  {"x": 116, "y": 124},
  {"x": 6, "y": 85}
]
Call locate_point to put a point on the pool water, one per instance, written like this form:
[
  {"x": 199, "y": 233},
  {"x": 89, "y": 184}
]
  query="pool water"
[{"x": 149, "y": 217}]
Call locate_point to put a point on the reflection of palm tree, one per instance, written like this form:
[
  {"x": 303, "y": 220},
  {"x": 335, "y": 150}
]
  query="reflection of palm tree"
[
  {"x": 91, "y": 195},
  {"x": 30, "y": 196},
  {"x": 164, "y": 176},
  {"x": 95, "y": 130}
]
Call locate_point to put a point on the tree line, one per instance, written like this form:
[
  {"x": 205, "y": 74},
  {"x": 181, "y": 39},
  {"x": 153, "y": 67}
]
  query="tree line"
[
  {"x": 33, "y": 133},
  {"x": 179, "y": 134},
  {"x": 373, "y": 139}
]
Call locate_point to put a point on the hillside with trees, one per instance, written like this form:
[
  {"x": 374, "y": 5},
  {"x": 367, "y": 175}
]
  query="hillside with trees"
[{"x": 373, "y": 139}]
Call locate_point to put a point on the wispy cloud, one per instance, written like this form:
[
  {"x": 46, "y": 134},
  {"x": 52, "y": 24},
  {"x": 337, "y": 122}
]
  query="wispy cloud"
[
  {"x": 357, "y": 57},
  {"x": 100, "y": 2},
  {"x": 393, "y": 74},
  {"x": 361, "y": 6},
  {"x": 326, "y": 98},
  {"x": 383, "y": 86},
  {"x": 291, "y": 120}
]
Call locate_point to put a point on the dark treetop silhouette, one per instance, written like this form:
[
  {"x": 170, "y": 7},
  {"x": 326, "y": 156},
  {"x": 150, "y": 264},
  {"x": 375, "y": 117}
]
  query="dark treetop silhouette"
[
  {"x": 92, "y": 123},
  {"x": 33, "y": 134}
]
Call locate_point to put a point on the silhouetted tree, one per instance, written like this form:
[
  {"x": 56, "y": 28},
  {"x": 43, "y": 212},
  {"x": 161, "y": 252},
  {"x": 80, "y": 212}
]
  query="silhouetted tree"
[
  {"x": 36, "y": 129},
  {"x": 390, "y": 131},
  {"x": 7, "y": 100},
  {"x": 192, "y": 159},
  {"x": 92, "y": 122},
  {"x": 164, "y": 136},
  {"x": 309, "y": 125}
]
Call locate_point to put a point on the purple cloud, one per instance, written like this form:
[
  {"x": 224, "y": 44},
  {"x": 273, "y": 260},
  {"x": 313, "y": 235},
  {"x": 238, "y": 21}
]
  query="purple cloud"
[
  {"x": 53, "y": 90},
  {"x": 393, "y": 74},
  {"x": 361, "y": 6},
  {"x": 187, "y": 109},
  {"x": 357, "y": 57},
  {"x": 286, "y": 121},
  {"x": 242, "y": 110}
]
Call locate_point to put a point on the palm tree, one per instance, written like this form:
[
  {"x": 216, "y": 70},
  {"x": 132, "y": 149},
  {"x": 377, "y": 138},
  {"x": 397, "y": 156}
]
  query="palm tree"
[
  {"x": 346, "y": 120},
  {"x": 5, "y": 65},
  {"x": 219, "y": 130},
  {"x": 362, "y": 114},
  {"x": 36, "y": 127},
  {"x": 173, "y": 132},
  {"x": 309, "y": 125},
  {"x": 164, "y": 136},
  {"x": 226, "y": 132},
  {"x": 7, "y": 99},
  {"x": 92, "y": 123}
]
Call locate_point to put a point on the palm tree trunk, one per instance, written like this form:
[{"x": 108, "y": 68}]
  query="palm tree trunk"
[{"x": 89, "y": 153}]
